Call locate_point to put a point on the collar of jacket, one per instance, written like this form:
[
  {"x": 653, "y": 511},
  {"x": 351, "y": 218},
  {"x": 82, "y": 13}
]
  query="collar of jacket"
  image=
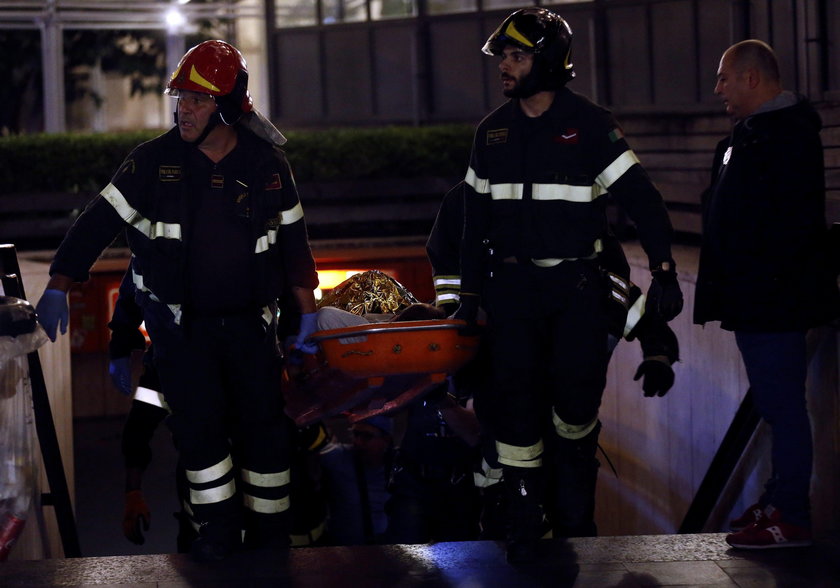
[
  {"x": 784, "y": 105},
  {"x": 565, "y": 105}
]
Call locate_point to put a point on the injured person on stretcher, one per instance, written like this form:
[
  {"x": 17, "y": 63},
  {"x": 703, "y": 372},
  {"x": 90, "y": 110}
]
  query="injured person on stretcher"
[{"x": 379, "y": 350}]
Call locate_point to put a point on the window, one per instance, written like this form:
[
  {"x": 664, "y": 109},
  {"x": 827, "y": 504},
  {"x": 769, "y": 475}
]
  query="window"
[
  {"x": 382, "y": 9},
  {"x": 295, "y": 13},
  {"x": 450, "y": 6},
  {"x": 336, "y": 11}
]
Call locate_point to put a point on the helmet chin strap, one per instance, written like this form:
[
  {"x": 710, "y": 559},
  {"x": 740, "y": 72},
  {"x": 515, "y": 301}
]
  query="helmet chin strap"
[{"x": 212, "y": 122}]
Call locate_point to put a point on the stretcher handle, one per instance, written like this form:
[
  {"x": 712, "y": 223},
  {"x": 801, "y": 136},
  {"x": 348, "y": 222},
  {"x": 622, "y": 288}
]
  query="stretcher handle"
[{"x": 362, "y": 330}]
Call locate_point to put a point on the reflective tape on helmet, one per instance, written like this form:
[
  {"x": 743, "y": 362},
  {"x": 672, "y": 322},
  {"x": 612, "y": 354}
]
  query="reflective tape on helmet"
[
  {"x": 265, "y": 505},
  {"x": 199, "y": 79},
  {"x": 511, "y": 32},
  {"x": 520, "y": 457},
  {"x": 214, "y": 472},
  {"x": 567, "y": 431},
  {"x": 268, "y": 480}
]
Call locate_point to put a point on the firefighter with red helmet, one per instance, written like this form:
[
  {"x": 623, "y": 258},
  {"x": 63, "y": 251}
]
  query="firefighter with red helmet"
[
  {"x": 212, "y": 216},
  {"x": 535, "y": 201}
]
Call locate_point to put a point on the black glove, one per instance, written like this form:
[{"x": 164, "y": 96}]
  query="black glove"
[
  {"x": 664, "y": 295},
  {"x": 658, "y": 377},
  {"x": 468, "y": 310}
]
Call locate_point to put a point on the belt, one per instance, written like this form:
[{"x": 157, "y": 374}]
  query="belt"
[{"x": 597, "y": 248}]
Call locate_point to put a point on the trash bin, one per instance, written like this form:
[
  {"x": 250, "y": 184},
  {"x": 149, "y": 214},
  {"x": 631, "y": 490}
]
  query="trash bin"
[{"x": 20, "y": 334}]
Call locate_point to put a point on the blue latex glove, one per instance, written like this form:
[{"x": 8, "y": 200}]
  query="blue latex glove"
[
  {"x": 53, "y": 312},
  {"x": 308, "y": 325},
  {"x": 120, "y": 371}
]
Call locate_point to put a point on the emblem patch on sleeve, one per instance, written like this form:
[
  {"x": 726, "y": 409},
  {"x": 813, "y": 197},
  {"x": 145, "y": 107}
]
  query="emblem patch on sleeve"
[
  {"x": 497, "y": 136},
  {"x": 129, "y": 167},
  {"x": 274, "y": 182},
  {"x": 616, "y": 135},
  {"x": 169, "y": 173}
]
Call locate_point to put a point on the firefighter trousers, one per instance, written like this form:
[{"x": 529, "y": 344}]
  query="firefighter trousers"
[
  {"x": 548, "y": 342},
  {"x": 220, "y": 377}
]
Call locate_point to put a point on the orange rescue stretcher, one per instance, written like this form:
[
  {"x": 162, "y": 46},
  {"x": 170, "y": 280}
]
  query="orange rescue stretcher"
[{"x": 376, "y": 368}]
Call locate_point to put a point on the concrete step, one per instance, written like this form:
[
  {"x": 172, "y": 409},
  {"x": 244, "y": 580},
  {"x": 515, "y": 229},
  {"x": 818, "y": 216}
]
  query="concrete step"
[{"x": 628, "y": 561}]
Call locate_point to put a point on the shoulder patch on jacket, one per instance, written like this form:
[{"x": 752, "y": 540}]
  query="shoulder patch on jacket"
[
  {"x": 129, "y": 167},
  {"x": 497, "y": 136},
  {"x": 169, "y": 173},
  {"x": 274, "y": 182},
  {"x": 616, "y": 134}
]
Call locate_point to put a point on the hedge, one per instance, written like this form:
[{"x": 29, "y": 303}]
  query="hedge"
[{"x": 74, "y": 162}]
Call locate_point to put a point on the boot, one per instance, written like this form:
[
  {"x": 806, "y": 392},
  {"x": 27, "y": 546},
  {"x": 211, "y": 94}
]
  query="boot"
[
  {"x": 269, "y": 531},
  {"x": 525, "y": 514},
  {"x": 219, "y": 530},
  {"x": 575, "y": 476},
  {"x": 215, "y": 542}
]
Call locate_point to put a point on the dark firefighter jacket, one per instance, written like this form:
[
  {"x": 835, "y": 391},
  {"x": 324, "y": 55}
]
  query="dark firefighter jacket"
[
  {"x": 536, "y": 187},
  {"x": 149, "y": 198}
]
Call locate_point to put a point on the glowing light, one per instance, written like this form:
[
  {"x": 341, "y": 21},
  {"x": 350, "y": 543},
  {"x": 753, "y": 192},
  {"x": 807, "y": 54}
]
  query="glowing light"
[
  {"x": 329, "y": 279},
  {"x": 175, "y": 19}
]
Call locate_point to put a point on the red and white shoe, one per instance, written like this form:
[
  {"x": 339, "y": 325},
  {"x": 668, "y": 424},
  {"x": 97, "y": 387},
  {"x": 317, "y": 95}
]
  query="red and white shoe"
[
  {"x": 770, "y": 532},
  {"x": 752, "y": 515}
]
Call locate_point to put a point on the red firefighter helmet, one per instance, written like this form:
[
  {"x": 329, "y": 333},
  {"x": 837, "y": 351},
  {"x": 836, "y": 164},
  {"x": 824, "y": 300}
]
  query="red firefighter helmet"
[{"x": 216, "y": 68}]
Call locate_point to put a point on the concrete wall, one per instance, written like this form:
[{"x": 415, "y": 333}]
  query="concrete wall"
[{"x": 662, "y": 447}]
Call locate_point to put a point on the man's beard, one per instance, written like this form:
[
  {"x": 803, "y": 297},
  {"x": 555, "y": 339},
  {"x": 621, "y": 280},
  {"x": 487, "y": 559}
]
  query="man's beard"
[{"x": 524, "y": 87}]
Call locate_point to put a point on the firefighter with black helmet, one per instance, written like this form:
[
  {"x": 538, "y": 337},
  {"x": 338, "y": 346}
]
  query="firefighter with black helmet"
[
  {"x": 212, "y": 216},
  {"x": 541, "y": 167}
]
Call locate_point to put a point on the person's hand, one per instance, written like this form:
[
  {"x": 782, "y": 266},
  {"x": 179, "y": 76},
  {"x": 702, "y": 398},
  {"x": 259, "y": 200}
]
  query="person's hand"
[
  {"x": 658, "y": 377},
  {"x": 136, "y": 517},
  {"x": 120, "y": 372},
  {"x": 308, "y": 325},
  {"x": 467, "y": 310},
  {"x": 664, "y": 295},
  {"x": 53, "y": 312}
]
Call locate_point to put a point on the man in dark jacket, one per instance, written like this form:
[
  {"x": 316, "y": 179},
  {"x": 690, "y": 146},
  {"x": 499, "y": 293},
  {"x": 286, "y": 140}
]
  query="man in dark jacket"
[
  {"x": 764, "y": 272},
  {"x": 217, "y": 233}
]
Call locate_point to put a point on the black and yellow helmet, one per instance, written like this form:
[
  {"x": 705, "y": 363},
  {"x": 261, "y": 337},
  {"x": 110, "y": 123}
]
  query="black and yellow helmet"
[{"x": 545, "y": 34}]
